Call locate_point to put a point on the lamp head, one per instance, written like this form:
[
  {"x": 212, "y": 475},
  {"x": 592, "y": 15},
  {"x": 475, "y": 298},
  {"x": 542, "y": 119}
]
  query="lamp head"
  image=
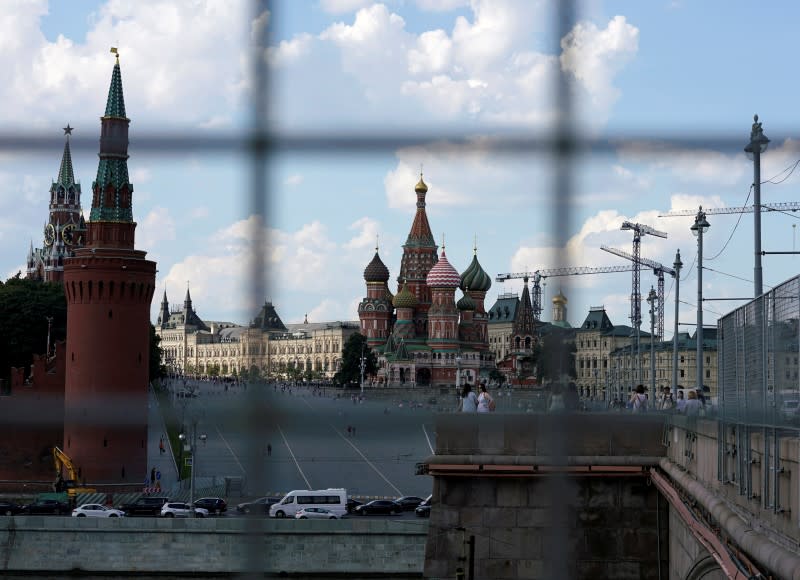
[{"x": 700, "y": 225}]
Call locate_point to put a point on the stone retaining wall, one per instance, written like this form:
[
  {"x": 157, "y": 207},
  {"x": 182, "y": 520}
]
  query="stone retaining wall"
[{"x": 211, "y": 546}]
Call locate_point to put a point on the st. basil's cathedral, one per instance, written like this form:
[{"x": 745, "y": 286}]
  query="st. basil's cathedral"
[{"x": 422, "y": 336}]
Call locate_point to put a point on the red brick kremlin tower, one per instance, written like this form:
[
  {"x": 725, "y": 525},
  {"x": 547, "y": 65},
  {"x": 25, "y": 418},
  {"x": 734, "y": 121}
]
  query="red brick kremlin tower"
[{"x": 109, "y": 287}]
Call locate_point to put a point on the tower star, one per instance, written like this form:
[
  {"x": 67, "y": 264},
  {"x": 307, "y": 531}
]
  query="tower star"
[{"x": 68, "y": 130}]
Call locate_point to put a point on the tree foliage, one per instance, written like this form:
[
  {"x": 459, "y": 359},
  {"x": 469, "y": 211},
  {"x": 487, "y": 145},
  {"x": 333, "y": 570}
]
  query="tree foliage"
[
  {"x": 157, "y": 370},
  {"x": 25, "y": 306},
  {"x": 350, "y": 371}
]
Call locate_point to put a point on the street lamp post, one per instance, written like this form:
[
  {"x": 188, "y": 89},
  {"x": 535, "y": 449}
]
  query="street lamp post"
[
  {"x": 363, "y": 364},
  {"x": 758, "y": 144},
  {"x": 677, "y": 265},
  {"x": 651, "y": 300},
  {"x": 699, "y": 228}
]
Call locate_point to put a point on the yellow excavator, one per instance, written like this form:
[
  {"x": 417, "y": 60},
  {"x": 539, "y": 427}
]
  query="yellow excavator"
[{"x": 69, "y": 484}]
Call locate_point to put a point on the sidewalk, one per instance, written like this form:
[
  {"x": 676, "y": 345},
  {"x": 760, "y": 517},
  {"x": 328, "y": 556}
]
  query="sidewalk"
[{"x": 164, "y": 463}]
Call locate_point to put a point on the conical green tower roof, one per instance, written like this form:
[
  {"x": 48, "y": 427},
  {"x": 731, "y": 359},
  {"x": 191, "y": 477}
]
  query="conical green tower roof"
[{"x": 115, "y": 104}]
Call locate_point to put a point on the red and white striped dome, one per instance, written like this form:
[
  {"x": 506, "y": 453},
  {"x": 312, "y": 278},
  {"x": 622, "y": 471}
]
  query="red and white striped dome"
[{"x": 443, "y": 275}]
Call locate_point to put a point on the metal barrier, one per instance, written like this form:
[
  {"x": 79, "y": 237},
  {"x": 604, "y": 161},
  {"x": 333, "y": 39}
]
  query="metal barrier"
[{"x": 759, "y": 392}]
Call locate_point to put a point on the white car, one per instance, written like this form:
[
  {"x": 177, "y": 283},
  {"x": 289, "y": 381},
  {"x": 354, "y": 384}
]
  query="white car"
[
  {"x": 315, "y": 513},
  {"x": 95, "y": 510},
  {"x": 174, "y": 509}
]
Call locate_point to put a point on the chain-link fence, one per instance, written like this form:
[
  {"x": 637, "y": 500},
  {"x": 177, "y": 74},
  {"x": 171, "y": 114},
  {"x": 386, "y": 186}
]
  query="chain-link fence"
[{"x": 759, "y": 390}]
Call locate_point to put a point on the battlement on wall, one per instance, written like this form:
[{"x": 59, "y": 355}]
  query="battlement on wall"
[{"x": 47, "y": 375}]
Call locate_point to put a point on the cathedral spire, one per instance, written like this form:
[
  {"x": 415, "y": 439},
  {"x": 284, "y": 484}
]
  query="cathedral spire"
[
  {"x": 187, "y": 302},
  {"x": 420, "y": 234}
]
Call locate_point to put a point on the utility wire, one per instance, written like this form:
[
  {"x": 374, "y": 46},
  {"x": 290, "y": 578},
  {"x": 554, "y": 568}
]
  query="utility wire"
[{"x": 790, "y": 169}]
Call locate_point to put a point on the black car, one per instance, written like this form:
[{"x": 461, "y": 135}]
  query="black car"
[
  {"x": 47, "y": 506},
  {"x": 352, "y": 504},
  {"x": 214, "y": 505},
  {"x": 260, "y": 505},
  {"x": 9, "y": 508},
  {"x": 378, "y": 506},
  {"x": 409, "y": 502},
  {"x": 424, "y": 509},
  {"x": 144, "y": 506}
]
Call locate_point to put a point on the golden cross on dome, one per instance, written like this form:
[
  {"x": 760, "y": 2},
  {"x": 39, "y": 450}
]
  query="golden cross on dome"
[
  {"x": 475, "y": 245},
  {"x": 115, "y": 52}
]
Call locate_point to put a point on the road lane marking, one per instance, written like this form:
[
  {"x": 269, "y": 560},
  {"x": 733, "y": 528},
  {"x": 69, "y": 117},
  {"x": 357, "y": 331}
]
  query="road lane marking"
[
  {"x": 364, "y": 457},
  {"x": 428, "y": 438},
  {"x": 357, "y": 450},
  {"x": 286, "y": 441},
  {"x": 236, "y": 459}
]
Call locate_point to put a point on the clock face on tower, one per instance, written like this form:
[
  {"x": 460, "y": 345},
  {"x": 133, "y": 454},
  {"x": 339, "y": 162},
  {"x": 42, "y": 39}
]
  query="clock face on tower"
[
  {"x": 68, "y": 234},
  {"x": 49, "y": 234}
]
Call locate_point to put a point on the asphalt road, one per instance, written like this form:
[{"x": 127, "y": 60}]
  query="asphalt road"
[{"x": 310, "y": 444}]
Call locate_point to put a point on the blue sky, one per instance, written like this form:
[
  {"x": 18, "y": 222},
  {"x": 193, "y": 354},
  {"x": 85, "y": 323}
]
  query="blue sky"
[{"x": 687, "y": 71}]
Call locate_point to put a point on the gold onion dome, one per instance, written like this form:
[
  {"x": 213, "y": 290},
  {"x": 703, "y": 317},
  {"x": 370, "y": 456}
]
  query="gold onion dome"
[
  {"x": 559, "y": 298},
  {"x": 405, "y": 298},
  {"x": 376, "y": 270},
  {"x": 420, "y": 187},
  {"x": 466, "y": 302},
  {"x": 475, "y": 278}
]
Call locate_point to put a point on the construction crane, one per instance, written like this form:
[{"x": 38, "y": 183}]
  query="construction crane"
[
  {"x": 638, "y": 230},
  {"x": 659, "y": 270},
  {"x": 538, "y": 275},
  {"x": 784, "y": 206}
]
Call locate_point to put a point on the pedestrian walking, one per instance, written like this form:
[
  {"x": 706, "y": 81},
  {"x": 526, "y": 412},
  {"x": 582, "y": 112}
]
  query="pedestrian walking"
[
  {"x": 349, "y": 429},
  {"x": 152, "y": 476},
  {"x": 269, "y": 450},
  {"x": 161, "y": 446},
  {"x": 639, "y": 400},
  {"x": 469, "y": 400}
]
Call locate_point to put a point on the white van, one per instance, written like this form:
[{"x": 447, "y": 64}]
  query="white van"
[{"x": 333, "y": 499}]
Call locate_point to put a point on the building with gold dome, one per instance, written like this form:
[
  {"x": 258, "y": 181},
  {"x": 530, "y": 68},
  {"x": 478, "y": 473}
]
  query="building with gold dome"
[
  {"x": 514, "y": 333},
  {"x": 422, "y": 335}
]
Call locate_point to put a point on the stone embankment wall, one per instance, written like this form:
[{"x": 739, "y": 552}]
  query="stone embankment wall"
[
  {"x": 212, "y": 547},
  {"x": 558, "y": 496}
]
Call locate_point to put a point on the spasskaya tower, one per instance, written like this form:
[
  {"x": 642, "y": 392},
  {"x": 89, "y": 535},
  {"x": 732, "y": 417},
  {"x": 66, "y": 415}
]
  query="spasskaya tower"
[{"x": 109, "y": 286}]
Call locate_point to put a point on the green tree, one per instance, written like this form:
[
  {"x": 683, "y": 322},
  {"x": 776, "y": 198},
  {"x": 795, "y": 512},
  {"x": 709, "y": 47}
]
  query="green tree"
[
  {"x": 556, "y": 358},
  {"x": 350, "y": 371},
  {"x": 25, "y": 306},
  {"x": 157, "y": 370},
  {"x": 496, "y": 376}
]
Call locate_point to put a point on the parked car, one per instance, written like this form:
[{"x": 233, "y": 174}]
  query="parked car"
[
  {"x": 378, "y": 506},
  {"x": 408, "y": 502},
  {"x": 47, "y": 506},
  {"x": 144, "y": 506},
  {"x": 176, "y": 509},
  {"x": 9, "y": 508},
  {"x": 95, "y": 510},
  {"x": 352, "y": 504},
  {"x": 424, "y": 509},
  {"x": 315, "y": 513},
  {"x": 260, "y": 505},
  {"x": 214, "y": 505}
]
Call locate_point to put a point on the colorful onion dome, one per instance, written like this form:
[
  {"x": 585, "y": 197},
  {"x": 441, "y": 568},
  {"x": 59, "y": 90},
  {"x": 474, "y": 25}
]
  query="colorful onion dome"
[
  {"x": 376, "y": 271},
  {"x": 475, "y": 278},
  {"x": 443, "y": 275},
  {"x": 421, "y": 187},
  {"x": 389, "y": 295},
  {"x": 466, "y": 302},
  {"x": 405, "y": 298}
]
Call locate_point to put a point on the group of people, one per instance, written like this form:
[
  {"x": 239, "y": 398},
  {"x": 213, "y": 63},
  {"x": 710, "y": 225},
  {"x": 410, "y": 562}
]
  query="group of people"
[
  {"x": 482, "y": 402},
  {"x": 693, "y": 404}
]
